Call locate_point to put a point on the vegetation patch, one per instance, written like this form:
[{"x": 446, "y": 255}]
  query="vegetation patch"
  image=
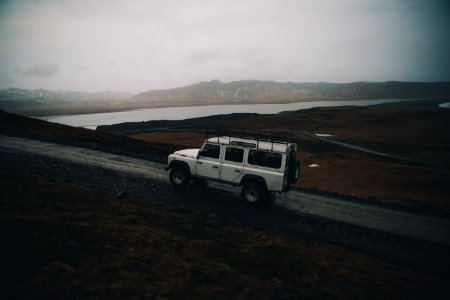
[
  {"x": 65, "y": 241},
  {"x": 15, "y": 125},
  {"x": 401, "y": 129}
]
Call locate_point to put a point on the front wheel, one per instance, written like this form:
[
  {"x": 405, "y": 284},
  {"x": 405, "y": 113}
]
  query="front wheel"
[
  {"x": 253, "y": 193},
  {"x": 179, "y": 177}
]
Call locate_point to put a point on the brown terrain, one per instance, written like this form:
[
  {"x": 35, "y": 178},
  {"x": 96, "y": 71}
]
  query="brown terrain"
[
  {"x": 61, "y": 240},
  {"x": 67, "y": 233},
  {"x": 412, "y": 132}
]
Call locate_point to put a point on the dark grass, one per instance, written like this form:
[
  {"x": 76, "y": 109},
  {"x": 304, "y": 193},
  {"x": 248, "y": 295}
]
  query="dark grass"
[
  {"x": 15, "y": 125},
  {"x": 63, "y": 241}
]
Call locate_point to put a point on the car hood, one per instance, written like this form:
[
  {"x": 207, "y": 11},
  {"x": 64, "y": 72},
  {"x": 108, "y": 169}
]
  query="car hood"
[{"x": 188, "y": 152}]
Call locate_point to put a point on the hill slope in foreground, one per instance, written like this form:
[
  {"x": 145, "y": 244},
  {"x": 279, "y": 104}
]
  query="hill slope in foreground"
[{"x": 65, "y": 240}]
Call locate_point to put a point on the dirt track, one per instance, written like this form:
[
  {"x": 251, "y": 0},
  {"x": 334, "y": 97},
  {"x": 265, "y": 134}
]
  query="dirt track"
[
  {"x": 408, "y": 160},
  {"x": 421, "y": 227}
]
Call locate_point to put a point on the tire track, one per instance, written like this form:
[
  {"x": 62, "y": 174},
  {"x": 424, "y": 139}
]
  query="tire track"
[{"x": 422, "y": 227}]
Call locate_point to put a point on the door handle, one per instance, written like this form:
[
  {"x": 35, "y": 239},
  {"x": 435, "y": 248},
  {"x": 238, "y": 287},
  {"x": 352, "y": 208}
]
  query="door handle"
[
  {"x": 215, "y": 167},
  {"x": 199, "y": 162},
  {"x": 237, "y": 171}
]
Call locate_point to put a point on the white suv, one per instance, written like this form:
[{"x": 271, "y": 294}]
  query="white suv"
[{"x": 260, "y": 164}]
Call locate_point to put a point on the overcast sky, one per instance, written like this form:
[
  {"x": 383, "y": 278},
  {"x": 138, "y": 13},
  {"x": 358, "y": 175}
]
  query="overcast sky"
[{"x": 135, "y": 46}]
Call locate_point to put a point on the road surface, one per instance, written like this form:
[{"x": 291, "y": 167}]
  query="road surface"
[
  {"x": 421, "y": 227},
  {"x": 408, "y": 160}
]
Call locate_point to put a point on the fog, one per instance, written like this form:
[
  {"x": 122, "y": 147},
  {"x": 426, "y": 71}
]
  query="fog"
[{"x": 137, "y": 46}]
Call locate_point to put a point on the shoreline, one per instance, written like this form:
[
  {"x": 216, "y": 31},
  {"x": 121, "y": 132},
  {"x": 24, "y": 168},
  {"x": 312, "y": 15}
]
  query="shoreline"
[
  {"x": 93, "y": 120},
  {"x": 122, "y": 108}
]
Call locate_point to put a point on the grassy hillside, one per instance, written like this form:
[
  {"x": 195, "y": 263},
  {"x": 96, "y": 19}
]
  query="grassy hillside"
[
  {"x": 414, "y": 132},
  {"x": 65, "y": 241},
  {"x": 15, "y": 125}
]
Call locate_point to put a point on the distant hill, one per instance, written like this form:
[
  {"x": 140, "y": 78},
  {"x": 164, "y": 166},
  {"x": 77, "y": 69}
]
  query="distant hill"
[
  {"x": 253, "y": 91},
  {"x": 14, "y": 99},
  {"x": 214, "y": 92}
]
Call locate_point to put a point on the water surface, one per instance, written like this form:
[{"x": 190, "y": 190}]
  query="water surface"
[{"x": 93, "y": 120}]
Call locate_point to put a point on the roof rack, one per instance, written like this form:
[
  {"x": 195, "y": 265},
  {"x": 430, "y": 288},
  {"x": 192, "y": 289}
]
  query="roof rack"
[{"x": 282, "y": 137}]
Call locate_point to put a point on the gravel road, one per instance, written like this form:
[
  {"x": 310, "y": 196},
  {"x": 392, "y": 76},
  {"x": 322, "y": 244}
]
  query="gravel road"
[
  {"x": 412, "y": 161},
  {"x": 421, "y": 227}
]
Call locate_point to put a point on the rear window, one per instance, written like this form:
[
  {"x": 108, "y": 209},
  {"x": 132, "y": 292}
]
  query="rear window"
[{"x": 264, "y": 159}]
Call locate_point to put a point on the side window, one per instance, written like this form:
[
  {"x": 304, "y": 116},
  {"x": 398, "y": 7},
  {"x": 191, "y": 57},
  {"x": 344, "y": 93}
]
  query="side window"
[
  {"x": 210, "y": 150},
  {"x": 234, "y": 154},
  {"x": 264, "y": 159}
]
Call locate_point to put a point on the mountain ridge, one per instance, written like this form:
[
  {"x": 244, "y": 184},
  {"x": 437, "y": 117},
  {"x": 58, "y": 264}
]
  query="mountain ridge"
[
  {"x": 214, "y": 92},
  {"x": 256, "y": 90}
]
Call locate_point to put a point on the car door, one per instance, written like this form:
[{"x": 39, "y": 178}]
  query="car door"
[
  {"x": 232, "y": 164},
  {"x": 208, "y": 161}
]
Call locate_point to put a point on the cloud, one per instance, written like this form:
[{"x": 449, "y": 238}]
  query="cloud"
[
  {"x": 200, "y": 56},
  {"x": 83, "y": 68},
  {"x": 154, "y": 44},
  {"x": 42, "y": 70}
]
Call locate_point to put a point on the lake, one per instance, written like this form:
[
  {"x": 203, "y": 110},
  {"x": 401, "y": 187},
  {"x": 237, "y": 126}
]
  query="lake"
[{"x": 93, "y": 120}]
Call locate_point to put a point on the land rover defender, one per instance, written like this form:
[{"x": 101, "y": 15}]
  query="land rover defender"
[{"x": 260, "y": 164}]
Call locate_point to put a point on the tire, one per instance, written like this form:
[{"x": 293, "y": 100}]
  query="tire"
[
  {"x": 253, "y": 193},
  {"x": 294, "y": 171},
  {"x": 179, "y": 177}
]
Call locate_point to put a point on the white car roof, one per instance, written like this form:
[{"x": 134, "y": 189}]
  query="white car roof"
[{"x": 257, "y": 144}]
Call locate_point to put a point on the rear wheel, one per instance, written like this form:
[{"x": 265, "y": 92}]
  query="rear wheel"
[
  {"x": 253, "y": 193},
  {"x": 294, "y": 171},
  {"x": 179, "y": 177}
]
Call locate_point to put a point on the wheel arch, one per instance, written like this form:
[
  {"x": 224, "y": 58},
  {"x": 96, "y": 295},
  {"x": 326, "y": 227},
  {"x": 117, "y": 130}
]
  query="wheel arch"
[
  {"x": 178, "y": 163},
  {"x": 254, "y": 178}
]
